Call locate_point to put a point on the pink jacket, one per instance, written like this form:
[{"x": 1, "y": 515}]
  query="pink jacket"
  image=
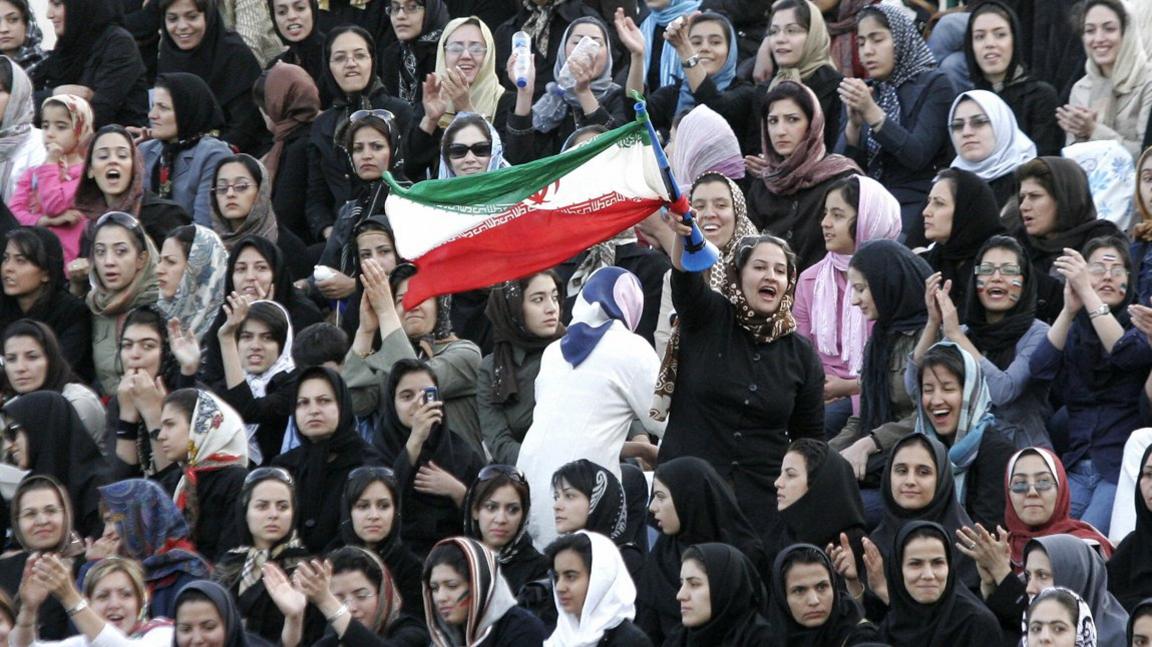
[{"x": 40, "y": 192}]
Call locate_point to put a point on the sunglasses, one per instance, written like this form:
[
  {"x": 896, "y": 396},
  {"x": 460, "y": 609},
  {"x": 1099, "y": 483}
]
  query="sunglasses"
[
  {"x": 124, "y": 220},
  {"x": 373, "y": 472},
  {"x": 1022, "y": 487},
  {"x": 379, "y": 113},
  {"x": 479, "y": 149},
  {"x": 265, "y": 473},
  {"x": 492, "y": 471}
]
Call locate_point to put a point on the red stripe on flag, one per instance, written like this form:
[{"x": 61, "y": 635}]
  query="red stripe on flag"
[{"x": 533, "y": 242}]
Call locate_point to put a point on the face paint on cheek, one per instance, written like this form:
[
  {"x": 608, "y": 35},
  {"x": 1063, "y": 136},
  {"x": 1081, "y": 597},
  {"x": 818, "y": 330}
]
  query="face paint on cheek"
[
  {"x": 1017, "y": 283},
  {"x": 980, "y": 285},
  {"x": 1123, "y": 288}
]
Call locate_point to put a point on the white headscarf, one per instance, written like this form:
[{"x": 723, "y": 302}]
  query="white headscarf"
[
  {"x": 1013, "y": 147},
  {"x": 610, "y": 600},
  {"x": 16, "y": 123},
  {"x": 258, "y": 384}
]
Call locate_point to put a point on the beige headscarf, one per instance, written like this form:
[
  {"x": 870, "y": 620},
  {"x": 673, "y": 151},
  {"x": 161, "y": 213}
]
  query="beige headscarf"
[
  {"x": 261, "y": 220},
  {"x": 1130, "y": 73},
  {"x": 817, "y": 50},
  {"x": 143, "y": 289},
  {"x": 486, "y": 89}
]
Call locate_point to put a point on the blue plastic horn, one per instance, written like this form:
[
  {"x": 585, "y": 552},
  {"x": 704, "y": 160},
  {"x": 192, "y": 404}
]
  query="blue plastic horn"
[{"x": 699, "y": 253}]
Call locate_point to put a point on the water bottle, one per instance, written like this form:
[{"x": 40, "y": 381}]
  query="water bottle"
[
  {"x": 522, "y": 48},
  {"x": 587, "y": 48}
]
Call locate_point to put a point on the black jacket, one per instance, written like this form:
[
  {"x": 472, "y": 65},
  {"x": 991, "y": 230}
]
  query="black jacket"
[
  {"x": 270, "y": 413},
  {"x": 795, "y": 217},
  {"x": 737, "y": 104},
  {"x": 330, "y": 179},
  {"x": 117, "y": 77},
  {"x": 523, "y": 143},
  {"x": 1034, "y": 103},
  {"x": 563, "y": 13},
  {"x": 290, "y": 188},
  {"x": 647, "y": 264},
  {"x": 625, "y": 634},
  {"x": 216, "y": 493},
  {"x": 422, "y": 151},
  {"x": 406, "y": 631},
  {"x": 68, "y": 317}
]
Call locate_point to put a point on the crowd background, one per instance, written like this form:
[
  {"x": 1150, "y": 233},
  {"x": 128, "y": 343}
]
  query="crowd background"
[{"x": 909, "y": 404}]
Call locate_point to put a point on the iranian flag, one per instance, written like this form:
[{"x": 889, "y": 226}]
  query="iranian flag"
[{"x": 472, "y": 232}]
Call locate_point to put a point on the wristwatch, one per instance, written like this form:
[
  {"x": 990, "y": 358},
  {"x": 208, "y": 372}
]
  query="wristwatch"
[
  {"x": 690, "y": 62},
  {"x": 1099, "y": 312}
]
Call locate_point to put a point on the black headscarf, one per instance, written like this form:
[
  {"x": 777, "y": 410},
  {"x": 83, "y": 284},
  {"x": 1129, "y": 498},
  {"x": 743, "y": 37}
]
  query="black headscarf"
[
  {"x": 307, "y": 53},
  {"x": 1130, "y": 569},
  {"x": 1076, "y": 221},
  {"x": 1141, "y": 609},
  {"x": 344, "y": 449},
  {"x": 957, "y": 618},
  {"x": 975, "y": 219},
  {"x": 222, "y": 58},
  {"x": 197, "y": 115},
  {"x": 845, "y": 613},
  {"x": 943, "y": 509},
  {"x": 234, "y": 634},
  {"x": 810, "y": 520},
  {"x": 997, "y": 341},
  {"x": 84, "y": 24},
  {"x": 54, "y": 254},
  {"x": 505, "y": 310},
  {"x": 607, "y": 511},
  {"x": 1016, "y": 70},
  {"x": 282, "y": 290},
  {"x": 420, "y": 48},
  {"x": 59, "y": 446},
  {"x": 708, "y": 512},
  {"x": 738, "y": 600},
  {"x": 896, "y": 281}
]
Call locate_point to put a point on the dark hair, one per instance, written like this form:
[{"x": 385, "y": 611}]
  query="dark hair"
[
  {"x": 187, "y": 595},
  {"x": 1036, "y": 169},
  {"x": 576, "y": 542},
  {"x": 319, "y": 343},
  {"x": 1059, "y": 595},
  {"x": 184, "y": 400},
  {"x": 273, "y": 318},
  {"x": 712, "y": 16},
  {"x": 247, "y": 161},
  {"x": 184, "y": 235},
  {"x": 812, "y": 450},
  {"x": 255, "y": 478},
  {"x": 745, "y": 247},
  {"x": 929, "y": 531},
  {"x": 788, "y": 90},
  {"x": 1002, "y": 242},
  {"x": 709, "y": 178},
  {"x": 351, "y": 559},
  {"x": 849, "y": 190},
  {"x": 950, "y": 174},
  {"x": 481, "y": 490},
  {"x": 569, "y": 473},
  {"x": 347, "y": 132},
  {"x": 458, "y": 124},
  {"x": 149, "y": 317},
  {"x": 913, "y": 439},
  {"x": 358, "y": 481},
  {"x": 262, "y": 80},
  {"x": 997, "y": 8},
  {"x": 945, "y": 357},
  {"x": 1109, "y": 242},
  {"x": 42, "y": 248},
  {"x": 802, "y": 555},
  {"x": 446, "y": 554},
  {"x": 1081, "y": 14},
  {"x": 406, "y": 366},
  {"x": 120, "y": 219},
  {"x": 59, "y": 372},
  {"x": 694, "y": 553},
  {"x": 336, "y": 32},
  {"x": 803, "y": 13},
  {"x": 872, "y": 11},
  {"x": 6, "y": 74}
]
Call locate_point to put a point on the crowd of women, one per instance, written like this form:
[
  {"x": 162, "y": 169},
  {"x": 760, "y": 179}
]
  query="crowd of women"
[{"x": 909, "y": 404}]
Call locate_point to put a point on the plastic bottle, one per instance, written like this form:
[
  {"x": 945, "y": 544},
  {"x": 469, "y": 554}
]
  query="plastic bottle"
[
  {"x": 587, "y": 49},
  {"x": 522, "y": 48}
]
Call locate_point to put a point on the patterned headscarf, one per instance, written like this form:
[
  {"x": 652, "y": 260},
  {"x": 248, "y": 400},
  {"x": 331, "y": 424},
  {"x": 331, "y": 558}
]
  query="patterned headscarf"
[
  {"x": 245, "y": 574},
  {"x": 261, "y": 220},
  {"x": 716, "y": 277},
  {"x": 607, "y": 507},
  {"x": 435, "y": 17},
  {"x": 495, "y": 162},
  {"x": 201, "y": 290},
  {"x": 485, "y": 90},
  {"x": 911, "y": 56},
  {"x": 764, "y": 329},
  {"x": 216, "y": 439},
  {"x": 537, "y": 24},
  {"x": 152, "y": 530},
  {"x": 809, "y": 164},
  {"x": 1085, "y": 625},
  {"x": 489, "y": 597},
  {"x": 80, "y": 112}
]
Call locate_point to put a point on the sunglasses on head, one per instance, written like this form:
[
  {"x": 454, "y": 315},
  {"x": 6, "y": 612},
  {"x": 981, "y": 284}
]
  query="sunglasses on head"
[
  {"x": 263, "y": 473},
  {"x": 479, "y": 149},
  {"x": 372, "y": 472},
  {"x": 492, "y": 471}
]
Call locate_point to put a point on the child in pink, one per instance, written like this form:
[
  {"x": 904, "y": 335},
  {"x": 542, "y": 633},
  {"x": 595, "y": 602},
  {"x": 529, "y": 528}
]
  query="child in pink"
[{"x": 44, "y": 195}]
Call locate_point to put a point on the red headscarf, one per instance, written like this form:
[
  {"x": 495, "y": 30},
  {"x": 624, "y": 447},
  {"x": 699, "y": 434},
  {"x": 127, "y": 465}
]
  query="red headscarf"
[{"x": 1019, "y": 533}]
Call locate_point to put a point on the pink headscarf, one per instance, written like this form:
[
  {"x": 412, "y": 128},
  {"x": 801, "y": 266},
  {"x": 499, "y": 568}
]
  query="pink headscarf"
[
  {"x": 877, "y": 216},
  {"x": 704, "y": 142}
]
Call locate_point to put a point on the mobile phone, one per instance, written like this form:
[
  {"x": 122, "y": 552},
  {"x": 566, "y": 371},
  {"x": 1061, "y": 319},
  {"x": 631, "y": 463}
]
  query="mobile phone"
[{"x": 431, "y": 394}]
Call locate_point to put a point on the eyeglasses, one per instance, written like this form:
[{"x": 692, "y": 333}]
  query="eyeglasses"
[
  {"x": 372, "y": 472},
  {"x": 359, "y": 595},
  {"x": 477, "y": 50},
  {"x": 379, "y": 113},
  {"x": 1005, "y": 269},
  {"x": 492, "y": 471},
  {"x": 10, "y": 427},
  {"x": 1022, "y": 487},
  {"x": 976, "y": 123},
  {"x": 265, "y": 473},
  {"x": 408, "y": 8},
  {"x": 240, "y": 186},
  {"x": 479, "y": 149},
  {"x": 1098, "y": 269}
]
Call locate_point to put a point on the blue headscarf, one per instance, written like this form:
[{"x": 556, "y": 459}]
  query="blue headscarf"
[
  {"x": 152, "y": 529},
  {"x": 724, "y": 77},
  {"x": 669, "y": 59},
  {"x": 975, "y": 417},
  {"x": 611, "y": 293}
]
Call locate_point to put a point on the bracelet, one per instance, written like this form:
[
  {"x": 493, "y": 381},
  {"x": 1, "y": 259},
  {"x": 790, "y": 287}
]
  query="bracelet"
[
  {"x": 339, "y": 612},
  {"x": 80, "y": 606},
  {"x": 365, "y": 354}
]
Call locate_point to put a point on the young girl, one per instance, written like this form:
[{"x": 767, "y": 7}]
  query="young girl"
[{"x": 45, "y": 193}]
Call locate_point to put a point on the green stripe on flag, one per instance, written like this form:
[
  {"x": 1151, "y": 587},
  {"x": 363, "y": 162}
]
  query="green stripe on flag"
[{"x": 514, "y": 184}]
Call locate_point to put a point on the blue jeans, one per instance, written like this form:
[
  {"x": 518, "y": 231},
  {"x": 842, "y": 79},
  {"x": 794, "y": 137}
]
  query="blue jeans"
[
  {"x": 836, "y": 414},
  {"x": 1091, "y": 495}
]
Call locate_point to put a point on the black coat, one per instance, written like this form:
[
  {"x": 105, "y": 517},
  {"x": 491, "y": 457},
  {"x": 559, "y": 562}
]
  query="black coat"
[
  {"x": 217, "y": 493},
  {"x": 647, "y": 264},
  {"x": 422, "y": 151},
  {"x": 52, "y": 621},
  {"x": 984, "y": 483},
  {"x": 625, "y": 634},
  {"x": 118, "y": 79},
  {"x": 317, "y": 531},
  {"x": 738, "y": 403},
  {"x": 523, "y": 143},
  {"x": 290, "y": 188},
  {"x": 737, "y": 104},
  {"x": 341, "y": 12},
  {"x": 564, "y": 12},
  {"x": 330, "y": 178},
  {"x": 406, "y": 631},
  {"x": 68, "y": 317},
  {"x": 270, "y": 412},
  {"x": 1034, "y": 103},
  {"x": 517, "y": 628},
  {"x": 795, "y": 218},
  {"x": 824, "y": 83}
]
